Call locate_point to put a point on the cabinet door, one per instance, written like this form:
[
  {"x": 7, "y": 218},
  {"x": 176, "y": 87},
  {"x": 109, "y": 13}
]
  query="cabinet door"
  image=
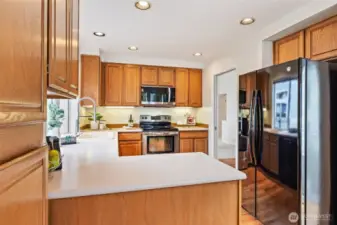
[
  {"x": 274, "y": 158},
  {"x": 23, "y": 78},
  {"x": 131, "y": 86},
  {"x": 321, "y": 40},
  {"x": 201, "y": 145},
  {"x": 23, "y": 191},
  {"x": 113, "y": 84},
  {"x": 186, "y": 145},
  {"x": 166, "y": 77},
  {"x": 195, "y": 88},
  {"x": 149, "y": 75},
  {"x": 91, "y": 78},
  {"x": 182, "y": 86},
  {"x": 58, "y": 49},
  {"x": 130, "y": 148},
  {"x": 289, "y": 48},
  {"x": 74, "y": 54}
]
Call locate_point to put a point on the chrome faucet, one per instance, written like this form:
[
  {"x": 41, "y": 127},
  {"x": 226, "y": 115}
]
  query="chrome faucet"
[{"x": 78, "y": 109}]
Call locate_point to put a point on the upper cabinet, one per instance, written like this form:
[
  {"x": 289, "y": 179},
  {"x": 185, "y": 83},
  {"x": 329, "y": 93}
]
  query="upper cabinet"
[
  {"x": 166, "y": 77},
  {"x": 289, "y": 48},
  {"x": 121, "y": 85},
  {"x": 113, "y": 80},
  {"x": 321, "y": 40},
  {"x": 91, "y": 78},
  {"x": 63, "y": 47},
  {"x": 74, "y": 54},
  {"x": 195, "y": 88},
  {"x": 182, "y": 87},
  {"x": 149, "y": 75},
  {"x": 131, "y": 85}
]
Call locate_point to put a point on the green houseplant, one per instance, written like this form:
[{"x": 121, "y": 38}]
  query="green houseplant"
[{"x": 55, "y": 117}]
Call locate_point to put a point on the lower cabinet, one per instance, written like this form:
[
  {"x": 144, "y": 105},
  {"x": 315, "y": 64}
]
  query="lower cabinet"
[
  {"x": 129, "y": 144},
  {"x": 194, "y": 141}
]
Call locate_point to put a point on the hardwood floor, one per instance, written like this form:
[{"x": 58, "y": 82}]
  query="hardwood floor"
[{"x": 246, "y": 218}]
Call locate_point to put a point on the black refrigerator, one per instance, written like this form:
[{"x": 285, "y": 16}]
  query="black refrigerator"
[{"x": 292, "y": 158}]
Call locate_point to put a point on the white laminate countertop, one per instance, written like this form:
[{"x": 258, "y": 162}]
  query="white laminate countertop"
[
  {"x": 93, "y": 167},
  {"x": 137, "y": 129},
  {"x": 279, "y": 132}
]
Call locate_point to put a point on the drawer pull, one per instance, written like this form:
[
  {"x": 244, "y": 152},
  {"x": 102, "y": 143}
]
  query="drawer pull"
[{"x": 61, "y": 79}]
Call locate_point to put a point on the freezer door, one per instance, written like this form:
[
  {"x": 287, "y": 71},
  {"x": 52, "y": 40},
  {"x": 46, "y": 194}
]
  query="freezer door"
[{"x": 275, "y": 198}]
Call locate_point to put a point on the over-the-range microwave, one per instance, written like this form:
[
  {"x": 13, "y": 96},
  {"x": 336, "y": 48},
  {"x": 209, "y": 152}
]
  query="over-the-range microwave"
[{"x": 158, "y": 96}]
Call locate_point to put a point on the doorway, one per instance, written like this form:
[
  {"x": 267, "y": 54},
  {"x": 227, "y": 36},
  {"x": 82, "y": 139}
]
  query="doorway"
[{"x": 225, "y": 116}]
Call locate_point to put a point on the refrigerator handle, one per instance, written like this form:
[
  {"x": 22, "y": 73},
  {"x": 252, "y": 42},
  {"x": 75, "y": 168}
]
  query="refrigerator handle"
[
  {"x": 259, "y": 148},
  {"x": 252, "y": 127}
]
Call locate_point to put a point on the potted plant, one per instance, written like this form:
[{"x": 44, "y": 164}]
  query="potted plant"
[
  {"x": 55, "y": 119},
  {"x": 95, "y": 126}
]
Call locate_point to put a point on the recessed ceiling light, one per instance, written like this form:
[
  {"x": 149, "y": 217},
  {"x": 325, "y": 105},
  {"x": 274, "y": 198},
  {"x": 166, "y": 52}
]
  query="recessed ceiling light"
[
  {"x": 247, "y": 21},
  {"x": 197, "y": 54},
  {"x": 99, "y": 34},
  {"x": 133, "y": 48},
  {"x": 142, "y": 5}
]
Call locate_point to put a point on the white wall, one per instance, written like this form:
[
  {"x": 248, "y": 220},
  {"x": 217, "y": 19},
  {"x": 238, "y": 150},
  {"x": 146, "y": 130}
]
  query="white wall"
[{"x": 120, "y": 115}]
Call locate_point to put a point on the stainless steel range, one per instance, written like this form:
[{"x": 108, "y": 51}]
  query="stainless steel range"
[{"x": 158, "y": 135}]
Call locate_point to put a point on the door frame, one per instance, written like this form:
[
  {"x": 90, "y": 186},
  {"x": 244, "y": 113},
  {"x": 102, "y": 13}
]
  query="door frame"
[{"x": 215, "y": 116}]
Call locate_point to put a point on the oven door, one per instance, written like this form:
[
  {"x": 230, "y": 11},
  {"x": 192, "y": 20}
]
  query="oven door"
[{"x": 160, "y": 142}]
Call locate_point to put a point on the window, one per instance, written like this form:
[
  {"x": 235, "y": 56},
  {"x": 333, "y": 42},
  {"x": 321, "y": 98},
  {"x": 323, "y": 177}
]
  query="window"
[
  {"x": 69, "y": 122},
  {"x": 285, "y": 102}
]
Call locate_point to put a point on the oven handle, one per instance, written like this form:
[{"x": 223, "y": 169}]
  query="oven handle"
[{"x": 153, "y": 134}]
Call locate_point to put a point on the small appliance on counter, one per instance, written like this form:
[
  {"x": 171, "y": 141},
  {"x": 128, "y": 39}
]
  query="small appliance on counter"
[
  {"x": 54, "y": 153},
  {"x": 190, "y": 120},
  {"x": 158, "y": 135}
]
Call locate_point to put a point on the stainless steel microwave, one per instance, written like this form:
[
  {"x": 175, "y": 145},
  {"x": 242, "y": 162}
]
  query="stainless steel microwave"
[{"x": 158, "y": 96}]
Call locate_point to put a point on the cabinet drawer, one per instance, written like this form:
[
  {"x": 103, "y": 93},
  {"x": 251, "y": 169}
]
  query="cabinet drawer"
[
  {"x": 194, "y": 134},
  {"x": 273, "y": 138},
  {"x": 128, "y": 136},
  {"x": 266, "y": 136}
]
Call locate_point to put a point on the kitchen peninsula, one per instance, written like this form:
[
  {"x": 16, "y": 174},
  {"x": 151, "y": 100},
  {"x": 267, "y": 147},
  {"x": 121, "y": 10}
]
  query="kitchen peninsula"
[{"x": 98, "y": 187}]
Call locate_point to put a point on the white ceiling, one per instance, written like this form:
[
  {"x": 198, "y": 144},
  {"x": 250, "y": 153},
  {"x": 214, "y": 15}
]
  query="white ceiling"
[{"x": 175, "y": 29}]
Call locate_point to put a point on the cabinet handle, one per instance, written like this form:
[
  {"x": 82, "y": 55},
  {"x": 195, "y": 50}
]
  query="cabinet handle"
[
  {"x": 73, "y": 86},
  {"x": 61, "y": 79}
]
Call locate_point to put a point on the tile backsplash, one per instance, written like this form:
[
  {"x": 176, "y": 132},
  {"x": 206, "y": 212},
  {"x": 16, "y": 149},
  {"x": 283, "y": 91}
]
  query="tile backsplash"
[{"x": 120, "y": 115}]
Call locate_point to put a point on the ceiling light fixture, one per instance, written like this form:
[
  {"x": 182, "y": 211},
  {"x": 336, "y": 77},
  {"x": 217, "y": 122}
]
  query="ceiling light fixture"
[
  {"x": 247, "y": 21},
  {"x": 197, "y": 54},
  {"x": 143, "y": 5},
  {"x": 99, "y": 34},
  {"x": 133, "y": 48}
]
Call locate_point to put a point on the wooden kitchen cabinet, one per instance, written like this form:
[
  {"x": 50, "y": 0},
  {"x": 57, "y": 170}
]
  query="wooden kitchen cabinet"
[
  {"x": 242, "y": 82},
  {"x": 129, "y": 144},
  {"x": 186, "y": 145},
  {"x": 194, "y": 141},
  {"x": 266, "y": 151},
  {"x": 149, "y": 75},
  {"x": 74, "y": 48},
  {"x": 262, "y": 84},
  {"x": 250, "y": 86},
  {"x": 201, "y": 145},
  {"x": 195, "y": 88},
  {"x": 166, "y": 77},
  {"x": 91, "y": 79},
  {"x": 182, "y": 87},
  {"x": 131, "y": 86},
  {"x": 289, "y": 48},
  {"x": 274, "y": 157},
  {"x": 321, "y": 40},
  {"x": 113, "y": 79},
  {"x": 130, "y": 148},
  {"x": 58, "y": 49},
  {"x": 63, "y": 47}
]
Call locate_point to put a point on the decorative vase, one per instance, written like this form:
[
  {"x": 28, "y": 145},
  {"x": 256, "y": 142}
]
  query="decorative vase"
[{"x": 93, "y": 125}]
